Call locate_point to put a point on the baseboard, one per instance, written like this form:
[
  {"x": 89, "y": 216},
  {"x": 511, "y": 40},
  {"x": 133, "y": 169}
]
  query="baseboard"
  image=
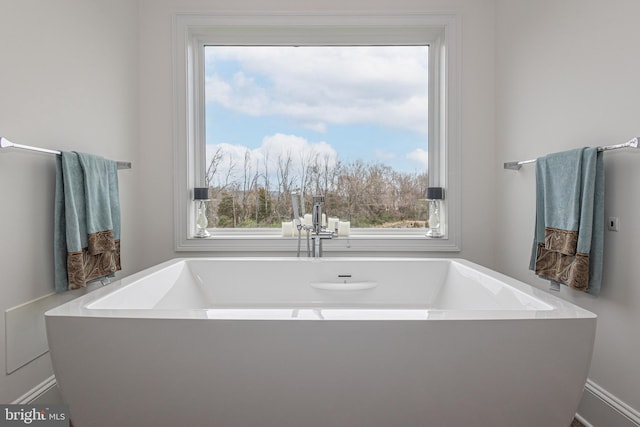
[
  {"x": 584, "y": 422},
  {"x": 37, "y": 392},
  {"x": 600, "y": 408}
]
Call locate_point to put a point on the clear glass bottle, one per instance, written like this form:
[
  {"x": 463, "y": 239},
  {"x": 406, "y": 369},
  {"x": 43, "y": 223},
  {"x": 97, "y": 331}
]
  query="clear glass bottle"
[
  {"x": 201, "y": 197},
  {"x": 435, "y": 196}
]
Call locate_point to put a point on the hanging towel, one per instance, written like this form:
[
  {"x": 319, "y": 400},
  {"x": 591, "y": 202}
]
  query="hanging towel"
[
  {"x": 87, "y": 220},
  {"x": 569, "y": 232}
]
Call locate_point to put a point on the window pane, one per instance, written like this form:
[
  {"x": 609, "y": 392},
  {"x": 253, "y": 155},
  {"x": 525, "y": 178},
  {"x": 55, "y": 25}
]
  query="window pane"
[{"x": 347, "y": 122}]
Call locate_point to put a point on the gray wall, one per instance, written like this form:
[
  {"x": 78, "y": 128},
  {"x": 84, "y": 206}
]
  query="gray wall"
[
  {"x": 68, "y": 81},
  {"x": 566, "y": 77}
]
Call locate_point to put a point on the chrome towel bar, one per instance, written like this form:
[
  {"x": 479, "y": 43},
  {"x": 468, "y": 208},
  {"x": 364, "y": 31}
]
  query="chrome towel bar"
[
  {"x": 633, "y": 143},
  {"x": 5, "y": 143}
]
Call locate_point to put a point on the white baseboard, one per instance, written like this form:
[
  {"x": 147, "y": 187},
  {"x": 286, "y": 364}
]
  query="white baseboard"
[
  {"x": 584, "y": 422},
  {"x": 600, "y": 408},
  {"x": 37, "y": 392}
]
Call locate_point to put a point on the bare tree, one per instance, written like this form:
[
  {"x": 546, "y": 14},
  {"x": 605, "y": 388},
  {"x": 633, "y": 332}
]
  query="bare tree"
[
  {"x": 227, "y": 180},
  {"x": 285, "y": 185},
  {"x": 246, "y": 172},
  {"x": 369, "y": 195},
  {"x": 307, "y": 163},
  {"x": 212, "y": 168}
]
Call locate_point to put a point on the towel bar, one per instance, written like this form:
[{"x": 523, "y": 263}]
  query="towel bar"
[
  {"x": 633, "y": 143},
  {"x": 5, "y": 143}
]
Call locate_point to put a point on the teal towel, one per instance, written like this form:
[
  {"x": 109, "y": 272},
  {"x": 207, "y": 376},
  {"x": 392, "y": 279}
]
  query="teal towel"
[
  {"x": 87, "y": 220},
  {"x": 569, "y": 231}
]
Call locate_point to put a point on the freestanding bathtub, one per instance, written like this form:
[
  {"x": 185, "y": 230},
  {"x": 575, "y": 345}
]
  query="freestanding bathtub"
[{"x": 347, "y": 342}]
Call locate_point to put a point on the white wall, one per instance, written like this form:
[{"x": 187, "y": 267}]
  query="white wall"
[
  {"x": 477, "y": 119},
  {"x": 68, "y": 81},
  {"x": 567, "y": 75}
]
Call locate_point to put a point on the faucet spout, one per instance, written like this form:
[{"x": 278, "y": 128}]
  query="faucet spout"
[
  {"x": 316, "y": 215},
  {"x": 320, "y": 232}
]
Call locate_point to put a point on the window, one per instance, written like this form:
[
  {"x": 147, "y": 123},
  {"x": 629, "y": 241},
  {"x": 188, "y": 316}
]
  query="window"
[
  {"x": 346, "y": 122},
  {"x": 264, "y": 107}
]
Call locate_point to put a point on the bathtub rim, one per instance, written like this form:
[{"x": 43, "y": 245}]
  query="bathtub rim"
[{"x": 79, "y": 307}]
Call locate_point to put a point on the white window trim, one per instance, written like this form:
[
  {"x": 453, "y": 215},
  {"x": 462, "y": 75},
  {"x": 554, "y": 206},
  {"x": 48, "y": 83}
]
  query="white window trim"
[{"x": 191, "y": 31}]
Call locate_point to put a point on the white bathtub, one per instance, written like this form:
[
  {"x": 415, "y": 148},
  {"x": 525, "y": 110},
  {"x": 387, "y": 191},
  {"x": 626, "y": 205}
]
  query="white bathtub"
[{"x": 332, "y": 342}]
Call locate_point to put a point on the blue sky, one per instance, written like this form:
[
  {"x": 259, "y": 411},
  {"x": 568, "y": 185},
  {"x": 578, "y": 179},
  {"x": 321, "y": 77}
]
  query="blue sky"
[{"x": 351, "y": 103}]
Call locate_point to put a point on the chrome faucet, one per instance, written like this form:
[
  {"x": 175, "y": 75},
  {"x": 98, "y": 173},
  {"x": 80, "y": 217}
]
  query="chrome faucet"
[
  {"x": 320, "y": 232},
  {"x": 316, "y": 214},
  {"x": 316, "y": 231}
]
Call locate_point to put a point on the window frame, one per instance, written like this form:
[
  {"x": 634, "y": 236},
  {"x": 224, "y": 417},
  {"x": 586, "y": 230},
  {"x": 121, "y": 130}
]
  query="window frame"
[{"x": 194, "y": 31}]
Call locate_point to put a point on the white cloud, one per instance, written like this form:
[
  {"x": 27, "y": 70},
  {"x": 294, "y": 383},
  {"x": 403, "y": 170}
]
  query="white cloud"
[
  {"x": 241, "y": 94},
  {"x": 419, "y": 155},
  {"x": 274, "y": 152},
  {"x": 380, "y": 85}
]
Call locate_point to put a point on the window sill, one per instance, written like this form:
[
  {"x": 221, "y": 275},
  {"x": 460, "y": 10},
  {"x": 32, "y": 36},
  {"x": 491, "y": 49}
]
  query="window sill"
[{"x": 255, "y": 240}]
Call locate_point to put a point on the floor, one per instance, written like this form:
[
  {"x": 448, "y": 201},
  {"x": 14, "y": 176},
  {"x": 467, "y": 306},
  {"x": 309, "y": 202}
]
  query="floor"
[{"x": 575, "y": 423}]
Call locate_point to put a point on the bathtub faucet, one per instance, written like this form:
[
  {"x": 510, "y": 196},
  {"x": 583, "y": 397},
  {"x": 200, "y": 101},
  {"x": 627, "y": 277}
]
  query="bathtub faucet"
[
  {"x": 319, "y": 231},
  {"x": 316, "y": 230}
]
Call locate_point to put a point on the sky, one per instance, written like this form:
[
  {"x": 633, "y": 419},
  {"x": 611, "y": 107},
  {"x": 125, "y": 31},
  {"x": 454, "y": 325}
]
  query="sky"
[{"x": 348, "y": 103}]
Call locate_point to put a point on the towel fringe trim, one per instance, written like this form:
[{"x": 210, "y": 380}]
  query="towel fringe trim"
[
  {"x": 83, "y": 266},
  {"x": 571, "y": 270}
]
